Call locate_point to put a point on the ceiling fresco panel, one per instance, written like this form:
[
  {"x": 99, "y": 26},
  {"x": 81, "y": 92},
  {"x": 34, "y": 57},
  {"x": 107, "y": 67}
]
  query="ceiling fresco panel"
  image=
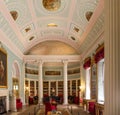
[{"x": 41, "y": 11}]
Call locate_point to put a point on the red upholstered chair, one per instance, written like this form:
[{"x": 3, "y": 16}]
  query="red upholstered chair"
[
  {"x": 30, "y": 100},
  {"x": 47, "y": 107},
  {"x": 91, "y": 108},
  {"x": 18, "y": 104},
  {"x": 53, "y": 105},
  {"x": 61, "y": 98},
  {"x": 76, "y": 100}
]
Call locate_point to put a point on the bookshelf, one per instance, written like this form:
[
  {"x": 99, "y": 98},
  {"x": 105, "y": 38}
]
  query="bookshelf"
[
  {"x": 32, "y": 87},
  {"x": 69, "y": 89},
  {"x": 53, "y": 88},
  {"x": 73, "y": 87},
  {"x": 60, "y": 87},
  {"x": 37, "y": 88},
  {"x": 45, "y": 87}
]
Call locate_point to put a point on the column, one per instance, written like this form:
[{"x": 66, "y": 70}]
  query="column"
[
  {"x": 40, "y": 81},
  {"x": 112, "y": 57},
  {"x": 65, "y": 83},
  {"x": 23, "y": 85}
]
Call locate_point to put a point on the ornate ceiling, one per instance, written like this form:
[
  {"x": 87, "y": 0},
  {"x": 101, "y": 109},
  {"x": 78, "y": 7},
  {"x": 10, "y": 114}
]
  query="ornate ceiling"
[{"x": 51, "y": 27}]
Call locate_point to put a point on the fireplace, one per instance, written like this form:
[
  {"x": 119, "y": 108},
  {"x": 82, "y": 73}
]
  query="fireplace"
[{"x": 2, "y": 104}]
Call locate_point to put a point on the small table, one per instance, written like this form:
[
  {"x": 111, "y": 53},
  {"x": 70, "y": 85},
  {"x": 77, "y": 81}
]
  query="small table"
[
  {"x": 85, "y": 103},
  {"x": 54, "y": 113},
  {"x": 99, "y": 108}
]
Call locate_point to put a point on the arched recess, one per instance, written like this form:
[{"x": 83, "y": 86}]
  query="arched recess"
[
  {"x": 16, "y": 78},
  {"x": 64, "y": 40}
]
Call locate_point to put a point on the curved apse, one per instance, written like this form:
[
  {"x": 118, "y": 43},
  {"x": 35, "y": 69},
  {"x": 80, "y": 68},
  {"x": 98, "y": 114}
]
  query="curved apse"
[{"x": 52, "y": 48}]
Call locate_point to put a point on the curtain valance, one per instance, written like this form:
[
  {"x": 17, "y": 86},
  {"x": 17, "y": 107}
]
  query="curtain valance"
[
  {"x": 99, "y": 53},
  {"x": 87, "y": 63}
]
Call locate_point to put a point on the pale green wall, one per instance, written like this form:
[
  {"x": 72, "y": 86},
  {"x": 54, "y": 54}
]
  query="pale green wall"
[{"x": 11, "y": 57}]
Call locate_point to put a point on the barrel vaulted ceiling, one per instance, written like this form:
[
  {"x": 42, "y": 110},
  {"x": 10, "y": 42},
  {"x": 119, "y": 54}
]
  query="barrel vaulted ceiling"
[{"x": 52, "y": 26}]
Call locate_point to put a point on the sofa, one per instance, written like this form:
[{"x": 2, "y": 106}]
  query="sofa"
[{"x": 18, "y": 103}]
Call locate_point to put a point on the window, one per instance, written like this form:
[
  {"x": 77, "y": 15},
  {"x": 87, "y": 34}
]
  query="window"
[
  {"x": 101, "y": 69},
  {"x": 88, "y": 83}
]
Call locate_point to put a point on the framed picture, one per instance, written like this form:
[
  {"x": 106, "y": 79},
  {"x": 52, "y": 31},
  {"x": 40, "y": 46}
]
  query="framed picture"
[
  {"x": 3, "y": 68},
  {"x": 52, "y": 73}
]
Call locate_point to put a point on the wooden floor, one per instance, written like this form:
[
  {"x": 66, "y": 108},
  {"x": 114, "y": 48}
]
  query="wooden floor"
[{"x": 29, "y": 110}]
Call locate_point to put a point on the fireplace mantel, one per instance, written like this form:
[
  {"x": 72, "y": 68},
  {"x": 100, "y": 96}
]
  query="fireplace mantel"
[{"x": 5, "y": 92}]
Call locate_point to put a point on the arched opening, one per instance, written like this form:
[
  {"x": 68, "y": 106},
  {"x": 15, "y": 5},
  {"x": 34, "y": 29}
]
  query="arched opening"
[{"x": 15, "y": 79}]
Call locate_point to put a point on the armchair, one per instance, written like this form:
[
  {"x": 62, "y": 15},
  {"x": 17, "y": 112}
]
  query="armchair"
[
  {"x": 91, "y": 108},
  {"x": 18, "y": 103}
]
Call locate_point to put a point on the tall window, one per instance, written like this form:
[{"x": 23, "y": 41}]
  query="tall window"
[
  {"x": 88, "y": 83},
  {"x": 101, "y": 69}
]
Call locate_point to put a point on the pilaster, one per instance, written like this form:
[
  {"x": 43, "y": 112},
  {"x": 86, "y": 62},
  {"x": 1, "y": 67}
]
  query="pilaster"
[{"x": 112, "y": 57}]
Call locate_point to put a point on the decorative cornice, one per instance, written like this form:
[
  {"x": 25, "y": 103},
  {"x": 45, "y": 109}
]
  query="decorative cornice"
[
  {"x": 94, "y": 46},
  {"x": 52, "y": 58},
  {"x": 93, "y": 20}
]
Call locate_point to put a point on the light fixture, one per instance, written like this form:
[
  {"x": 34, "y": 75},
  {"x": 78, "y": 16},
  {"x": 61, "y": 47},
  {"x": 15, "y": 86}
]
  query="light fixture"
[
  {"x": 15, "y": 87},
  {"x": 27, "y": 88},
  {"x": 80, "y": 87}
]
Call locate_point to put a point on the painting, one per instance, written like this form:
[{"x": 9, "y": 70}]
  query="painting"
[
  {"x": 31, "y": 71},
  {"x": 73, "y": 71},
  {"x": 3, "y": 68},
  {"x": 52, "y": 73},
  {"x": 52, "y": 5}
]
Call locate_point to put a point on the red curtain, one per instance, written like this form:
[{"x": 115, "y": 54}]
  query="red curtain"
[
  {"x": 99, "y": 53},
  {"x": 87, "y": 63}
]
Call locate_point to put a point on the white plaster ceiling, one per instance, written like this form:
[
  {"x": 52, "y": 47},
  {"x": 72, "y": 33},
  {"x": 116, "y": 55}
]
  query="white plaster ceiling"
[{"x": 71, "y": 27}]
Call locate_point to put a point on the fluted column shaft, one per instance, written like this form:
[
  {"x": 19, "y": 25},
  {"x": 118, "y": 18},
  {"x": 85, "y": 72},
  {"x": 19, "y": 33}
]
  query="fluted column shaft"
[
  {"x": 40, "y": 83},
  {"x": 23, "y": 77},
  {"x": 65, "y": 83},
  {"x": 112, "y": 57}
]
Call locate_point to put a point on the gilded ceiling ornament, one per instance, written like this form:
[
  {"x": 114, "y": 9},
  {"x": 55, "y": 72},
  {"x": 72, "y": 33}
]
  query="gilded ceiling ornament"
[
  {"x": 14, "y": 14},
  {"x": 52, "y": 5},
  {"x": 89, "y": 15}
]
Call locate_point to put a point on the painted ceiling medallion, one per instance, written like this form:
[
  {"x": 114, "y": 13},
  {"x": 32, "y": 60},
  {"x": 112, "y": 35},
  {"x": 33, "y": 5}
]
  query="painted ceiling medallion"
[
  {"x": 52, "y": 5},
  {"x": 89, "y": 15},
  {"x": 73, "y": 38},
  {"x": 14, "y": 14}
]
